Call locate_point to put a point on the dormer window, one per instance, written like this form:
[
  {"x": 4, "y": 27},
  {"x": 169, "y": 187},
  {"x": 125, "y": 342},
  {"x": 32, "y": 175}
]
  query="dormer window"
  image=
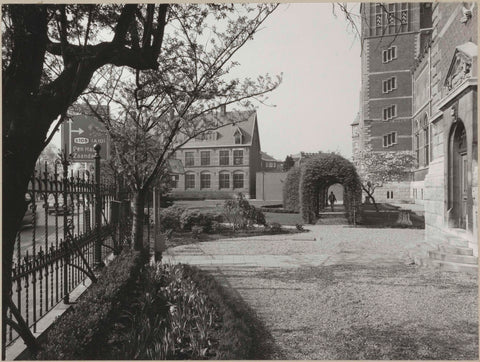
[{"x": 238, "y": 137}]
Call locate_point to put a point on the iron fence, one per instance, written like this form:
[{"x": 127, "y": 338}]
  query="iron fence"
[{"x": 72, "y": 223}]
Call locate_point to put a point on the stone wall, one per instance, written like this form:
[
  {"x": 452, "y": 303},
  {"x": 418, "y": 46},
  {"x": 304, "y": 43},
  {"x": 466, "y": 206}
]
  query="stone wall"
[
  {"x": 393, "y": 192},
  {"x": 270, "y": 186},
  {"x": 417, "y": 192}
]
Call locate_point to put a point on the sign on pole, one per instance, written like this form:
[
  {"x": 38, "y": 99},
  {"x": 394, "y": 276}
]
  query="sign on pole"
[
  {"x": 175, "y": 166},
  {"x": 80, "y": 133}
]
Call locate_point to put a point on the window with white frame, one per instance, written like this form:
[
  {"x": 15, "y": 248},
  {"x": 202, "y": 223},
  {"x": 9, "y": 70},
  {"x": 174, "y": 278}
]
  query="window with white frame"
[
  {"x": 205, "y": 179},
  {"x": 224, "y": 180},
  {"x": 238, "y": 157},
  {"x": 189, "y": 159},
  {"x": 389, "y": 85},
  {"x": 389, "y": 54},
  {"x": 390, "y": 112},
  {"x": 390, "y": 139},
  {"x": 205, "y": 158},
  {"x": 238, "y": 180},
  {"x": 190, "y": 181},
  {"x": 224, "y": 157}
]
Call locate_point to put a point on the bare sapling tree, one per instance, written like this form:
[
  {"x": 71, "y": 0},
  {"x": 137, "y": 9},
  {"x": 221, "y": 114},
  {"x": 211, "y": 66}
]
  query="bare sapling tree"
[
  {"x": 377, "y": 168},
  {"x": 153, "y": 113}
]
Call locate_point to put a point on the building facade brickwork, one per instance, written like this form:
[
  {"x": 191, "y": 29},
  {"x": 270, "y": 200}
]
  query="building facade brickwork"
[{"x": 221, "y": 163}]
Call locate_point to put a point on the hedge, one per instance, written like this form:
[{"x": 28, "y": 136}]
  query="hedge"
[
  {"x": 80, "y": 332},
  {"x": 291, "y": 200},
  {"x": 318, "y": 174}
]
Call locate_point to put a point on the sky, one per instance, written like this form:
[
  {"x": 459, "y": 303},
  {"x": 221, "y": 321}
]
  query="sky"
[
  {"x": 319, "y": 56},
  {"x": 318, "y": 99}
]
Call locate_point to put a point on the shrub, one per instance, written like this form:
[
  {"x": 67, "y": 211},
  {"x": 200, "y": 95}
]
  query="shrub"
[
  {"x": 196, "y": 231},
  {"x": 170, "y": 218},
  {"x": 275, "y": 227},
  {"x": 191, "y": 218},
  {"x": 241, "y": 214},
  {"x": 80, "y": 332}
]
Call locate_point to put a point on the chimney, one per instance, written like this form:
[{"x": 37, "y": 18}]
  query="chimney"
[{"x": 223, "y": 109}]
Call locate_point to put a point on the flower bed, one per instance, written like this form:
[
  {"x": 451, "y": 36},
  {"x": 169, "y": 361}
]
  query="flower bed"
[
  {"x": 164, "y": 312},
  {"x": 180, "y": 313}
]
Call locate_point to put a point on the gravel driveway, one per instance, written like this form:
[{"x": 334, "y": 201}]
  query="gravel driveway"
[{"x": 345, "y": 293}]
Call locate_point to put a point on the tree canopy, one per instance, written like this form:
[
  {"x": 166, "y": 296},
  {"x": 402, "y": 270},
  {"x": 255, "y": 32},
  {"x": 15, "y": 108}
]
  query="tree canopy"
[{"x": 377, "y": 168}]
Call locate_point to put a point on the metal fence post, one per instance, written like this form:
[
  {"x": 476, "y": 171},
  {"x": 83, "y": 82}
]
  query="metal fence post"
[
  {"x": 98, "y": 210},
  {"x": 65, "y": 163}
]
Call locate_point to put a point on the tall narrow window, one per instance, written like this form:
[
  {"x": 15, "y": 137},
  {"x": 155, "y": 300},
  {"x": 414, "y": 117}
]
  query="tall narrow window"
[
  {"x": 190, "y": 181},
  {"x": 238, "y": 157},
  {"x": 238, "y": 180},
  {"x": 390, "y": 139},
  {"x": 224, "y": 158},
  {"x": 205, "y": 180},
  {"x": 427, "y": 145},
  {"x": 389, "y": 85},
  {"x": 389, "y": 54},
  {"x": 205, "y": 158},
  {"x": 189, "y": 159},
  {"x": 389, "y": 112},
  {"x": 224, "y": 180}
]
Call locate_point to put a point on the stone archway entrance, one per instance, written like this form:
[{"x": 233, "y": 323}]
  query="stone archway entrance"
[{"x": 458, "y": 178}]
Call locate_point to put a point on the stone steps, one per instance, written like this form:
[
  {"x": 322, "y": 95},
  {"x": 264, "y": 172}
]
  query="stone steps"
[
  {"x": 449, "y": 253},
  {"x": 455, "y": 267},
  {"x": 332, "y": 221},
  {"x": 457, "y": 241},
  {"x": 452, "y": 249},
  {"x": 454, "y": 258}
]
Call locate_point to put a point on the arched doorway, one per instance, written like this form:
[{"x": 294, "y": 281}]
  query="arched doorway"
[
  {"x": 459, "y": 187},
  {"x": 337, "y": 190}
]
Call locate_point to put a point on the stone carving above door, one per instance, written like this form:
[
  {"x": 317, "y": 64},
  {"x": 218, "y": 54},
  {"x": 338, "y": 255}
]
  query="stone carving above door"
[{"x": 461, "y": 65}]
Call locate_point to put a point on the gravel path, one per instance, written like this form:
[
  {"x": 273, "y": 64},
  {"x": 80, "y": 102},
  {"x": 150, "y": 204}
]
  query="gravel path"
[{"x": 346, "y": 293}]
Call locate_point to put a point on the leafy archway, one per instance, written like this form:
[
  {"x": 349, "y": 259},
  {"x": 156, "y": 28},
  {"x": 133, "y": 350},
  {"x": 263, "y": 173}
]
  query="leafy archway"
[{"x": 317, "y": 175}]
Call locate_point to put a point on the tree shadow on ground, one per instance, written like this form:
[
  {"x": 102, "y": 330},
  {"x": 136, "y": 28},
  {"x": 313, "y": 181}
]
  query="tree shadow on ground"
[{"x": 263, "y": 346}]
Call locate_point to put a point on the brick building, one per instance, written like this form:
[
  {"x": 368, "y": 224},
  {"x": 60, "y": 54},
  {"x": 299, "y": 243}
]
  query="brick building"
[
  {"x": 444, "y": 124},
  {"x": 269, "y": 163},
  {"x": 221, "y": 163},
  {"x": 392, "y": 34}
]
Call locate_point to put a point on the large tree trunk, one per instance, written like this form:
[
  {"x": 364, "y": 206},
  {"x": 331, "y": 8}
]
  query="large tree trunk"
[
  {"x": 138, "y": 219},
  {"x": 30, "y": 107}
]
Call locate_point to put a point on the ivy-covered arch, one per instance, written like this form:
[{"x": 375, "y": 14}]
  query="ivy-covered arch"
[{"x": 317, "y": 175}]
